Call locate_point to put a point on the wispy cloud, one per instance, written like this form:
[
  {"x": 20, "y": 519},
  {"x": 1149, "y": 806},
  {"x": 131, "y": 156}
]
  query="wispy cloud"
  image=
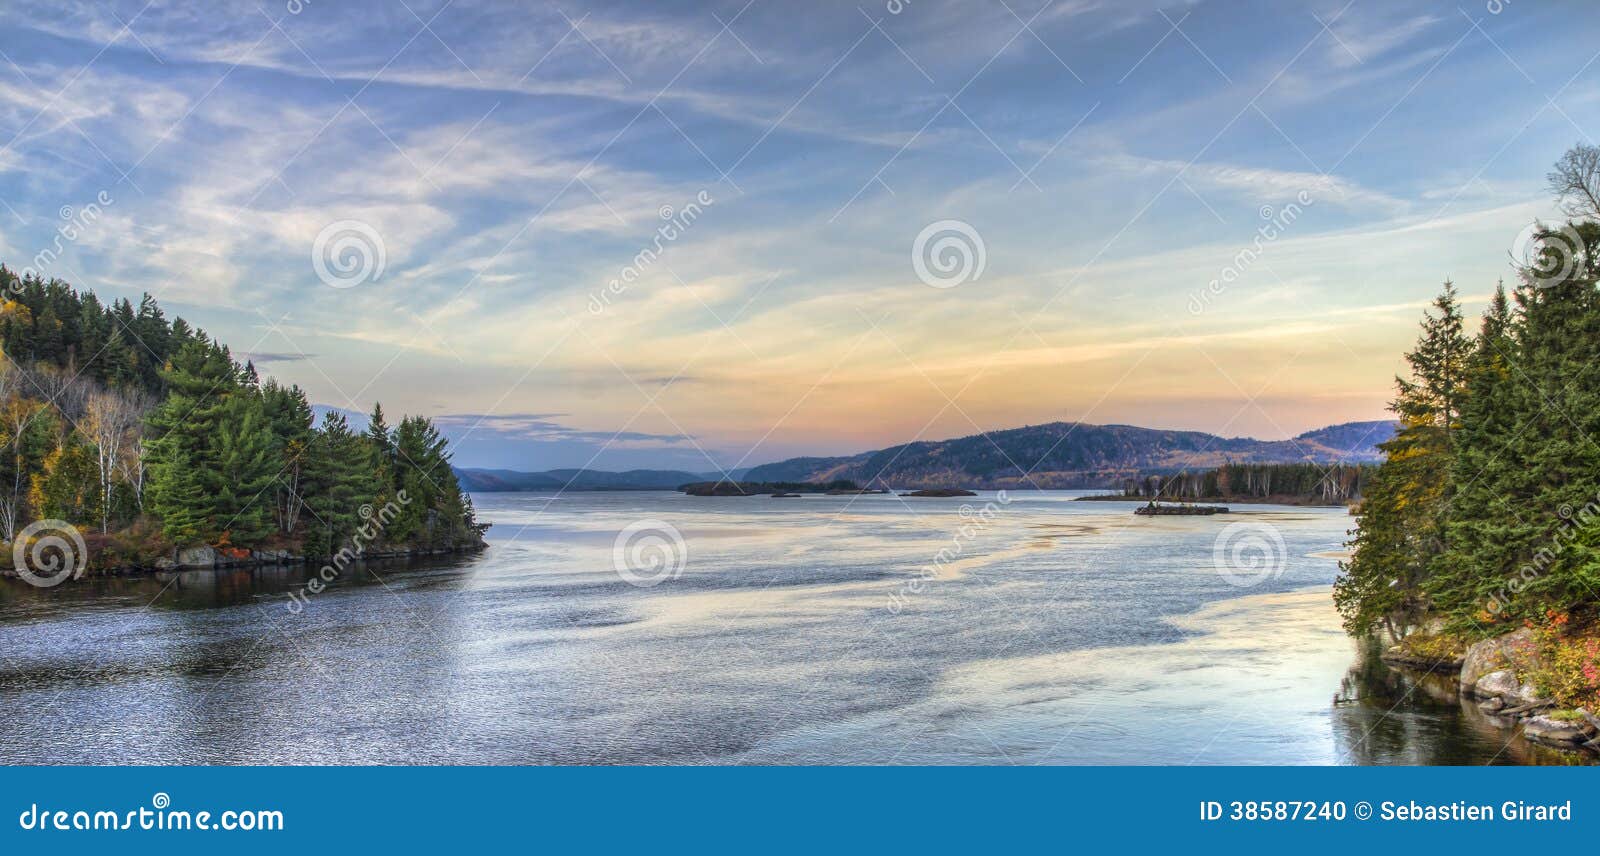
[{"x": 515, "y": 161}]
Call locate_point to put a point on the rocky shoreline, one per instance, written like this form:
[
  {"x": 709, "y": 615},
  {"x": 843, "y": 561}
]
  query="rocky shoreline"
[
  {"x": 1485, "y": 673},
  {"x": 207, "y": 558}
]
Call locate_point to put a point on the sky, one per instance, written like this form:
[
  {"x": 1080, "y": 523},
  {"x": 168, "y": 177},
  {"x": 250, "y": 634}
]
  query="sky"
[{"x": 706, "y": 235}]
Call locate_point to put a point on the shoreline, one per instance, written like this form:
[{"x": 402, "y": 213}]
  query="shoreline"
[
  {"x": 219, "y": 560},
  {"x": 1486, "y": 678}
]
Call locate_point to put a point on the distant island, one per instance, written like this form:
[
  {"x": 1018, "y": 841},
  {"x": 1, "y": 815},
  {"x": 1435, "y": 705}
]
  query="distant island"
[
  {"x": 502, "y": 481},
  {"x": 776, "y": 489},
  {"x": 1278, "y": 484}
]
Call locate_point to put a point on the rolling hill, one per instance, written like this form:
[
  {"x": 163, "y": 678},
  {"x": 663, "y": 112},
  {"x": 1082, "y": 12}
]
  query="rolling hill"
[
  {"x": 1073, "y": 455},
  {"x": 1055, "y": 455}
]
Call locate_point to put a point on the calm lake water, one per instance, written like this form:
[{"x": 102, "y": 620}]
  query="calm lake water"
[{"x": 790, "y": 631}]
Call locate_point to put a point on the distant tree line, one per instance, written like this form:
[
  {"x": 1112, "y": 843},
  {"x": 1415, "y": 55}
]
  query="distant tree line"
[
  {"x": 1333, "y": 484},
  {"x": 153, "y": 435}
]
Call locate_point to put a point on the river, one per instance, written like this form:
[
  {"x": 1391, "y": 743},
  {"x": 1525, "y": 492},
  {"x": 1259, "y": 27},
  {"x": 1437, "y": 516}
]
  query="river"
[{"x": 1018, "y": 629}]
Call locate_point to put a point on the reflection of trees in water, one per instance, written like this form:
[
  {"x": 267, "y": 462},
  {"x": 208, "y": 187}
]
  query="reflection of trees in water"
[{"x": 1388, "y": 716}]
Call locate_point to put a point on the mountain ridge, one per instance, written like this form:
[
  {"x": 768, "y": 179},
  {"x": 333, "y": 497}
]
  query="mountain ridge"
[
  {"x": 1051, "y": 456},
  {"x": 1074, "y": 455}
]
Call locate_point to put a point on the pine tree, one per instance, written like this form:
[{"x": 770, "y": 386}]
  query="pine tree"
[
  {"x": 176, "y": 496},
  {"x": 1484, "y": 472},
  {"x": 188, "y": 427},
  {"x": 247, "y": 469},
  {"x": 1401, "y": 521},
  {"x": 339, "y": 483},
  {"x": 289, "y": 419},
  {"x": 1554, "y": 398}
]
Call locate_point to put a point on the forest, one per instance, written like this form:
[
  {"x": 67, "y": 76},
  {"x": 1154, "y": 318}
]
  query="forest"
[
  {"x": 149, "y": 437},
  {"x": 1485, "y": 516},
  {"x": 1304, "y": 484}
]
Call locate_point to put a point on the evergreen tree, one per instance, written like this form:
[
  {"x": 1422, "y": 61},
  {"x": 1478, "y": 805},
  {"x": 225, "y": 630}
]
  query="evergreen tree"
[
  {"x": 339, "y": 483},
  {"x": 1485, "y": 471},
  {"x": 188, "y": 427},
  {"x": 1553, "y": 404},
  {"x": 1401, "y": 520},
  {"x": 289, "y": 419},
  {"x": 247, "y": 468},
  {"x": 176, "y": 496}
]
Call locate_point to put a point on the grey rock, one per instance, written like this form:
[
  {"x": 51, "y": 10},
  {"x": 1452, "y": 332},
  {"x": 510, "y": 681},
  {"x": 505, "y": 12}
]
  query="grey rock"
[
  {"x": 1549, "y": 730},
  {"x": 1493, "y": 685},
  {"x": 197, "y": 557},
  {"x": 1504, "y": 686},
  {"x": 1491, "y": 655}
]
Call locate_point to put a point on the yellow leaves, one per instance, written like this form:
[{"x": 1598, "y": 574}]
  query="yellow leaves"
[{"x": 12, "y": 309}]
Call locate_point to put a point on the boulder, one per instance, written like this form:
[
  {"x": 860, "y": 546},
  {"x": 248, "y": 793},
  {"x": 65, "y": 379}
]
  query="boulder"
[
  {"x": 197, "y": 557},
  {"x": 1548, "y": 729},
  {"x": 1492, "y": 655},
  {"x": 1504, "y": 686}
]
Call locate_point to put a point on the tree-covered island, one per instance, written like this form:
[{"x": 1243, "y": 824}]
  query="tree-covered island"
[{"x": 160, "y": 449}]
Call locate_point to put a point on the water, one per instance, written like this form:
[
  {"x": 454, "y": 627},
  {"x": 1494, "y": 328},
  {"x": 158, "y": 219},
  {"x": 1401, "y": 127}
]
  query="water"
[{"x": 793, "y": 631}]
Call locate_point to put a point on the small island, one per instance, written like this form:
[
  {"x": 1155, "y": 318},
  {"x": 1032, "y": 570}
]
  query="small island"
[
  {"x": 940, "y": 492},
  {"x": 1182, "y": 508},
  {"x": 783, "y": 490}
]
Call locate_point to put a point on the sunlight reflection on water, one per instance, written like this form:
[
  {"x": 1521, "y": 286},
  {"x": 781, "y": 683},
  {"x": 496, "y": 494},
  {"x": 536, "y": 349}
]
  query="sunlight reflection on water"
[{"x": 776, "y": 643}]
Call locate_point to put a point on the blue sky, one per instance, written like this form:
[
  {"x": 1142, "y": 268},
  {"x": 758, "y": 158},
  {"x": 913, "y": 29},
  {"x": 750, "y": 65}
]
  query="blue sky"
[{"x": 513, "y": 160}]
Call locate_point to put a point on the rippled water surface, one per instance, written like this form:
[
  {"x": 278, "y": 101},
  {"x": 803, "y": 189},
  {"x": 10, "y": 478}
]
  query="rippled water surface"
[{"x": 794, "y": 631}]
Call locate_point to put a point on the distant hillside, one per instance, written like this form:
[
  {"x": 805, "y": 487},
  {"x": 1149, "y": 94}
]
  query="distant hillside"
[
  {"x": 1074, "y": 455},
  {"x": 499, "y": 481},
  {"x": 1352, "y": 440}
]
